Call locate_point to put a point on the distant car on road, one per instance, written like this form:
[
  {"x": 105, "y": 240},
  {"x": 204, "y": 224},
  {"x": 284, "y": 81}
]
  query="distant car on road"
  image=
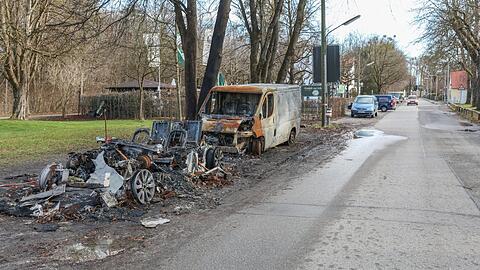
[
  {"x": 386, "y": 102},
  {"x": 364, "y": 105},
  {"x": 398, "y": 96},
  {"x": 412, "y": 99}
]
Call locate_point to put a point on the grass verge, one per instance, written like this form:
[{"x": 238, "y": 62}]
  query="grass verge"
[{"x": 22, "y": 141}]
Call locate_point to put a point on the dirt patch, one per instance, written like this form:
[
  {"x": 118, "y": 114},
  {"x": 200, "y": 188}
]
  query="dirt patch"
[{"x": 85, "y": 242}]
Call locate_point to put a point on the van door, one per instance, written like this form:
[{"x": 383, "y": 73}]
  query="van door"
[{"x": 268, "y": 120}]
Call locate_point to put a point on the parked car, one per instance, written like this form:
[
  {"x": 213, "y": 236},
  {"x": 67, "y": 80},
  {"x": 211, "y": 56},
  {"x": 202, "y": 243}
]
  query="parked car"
[
  {"x": 398, "y": 96},
  {"x": 364, "y": 105},
  {"x": 251, "y": 118},
  {"x": 412, "y": 100},
  {"x": 386, "y": 102}
]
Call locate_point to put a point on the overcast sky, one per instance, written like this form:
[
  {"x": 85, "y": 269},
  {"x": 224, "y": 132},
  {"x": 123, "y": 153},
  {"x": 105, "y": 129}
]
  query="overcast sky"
[{"x": 380, "y": 17}]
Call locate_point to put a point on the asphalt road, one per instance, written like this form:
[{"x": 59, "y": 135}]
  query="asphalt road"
[{"x": 401, "y": 200}]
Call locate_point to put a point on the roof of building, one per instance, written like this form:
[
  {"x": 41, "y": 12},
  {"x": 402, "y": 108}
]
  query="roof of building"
[
  {"x": 134, "y": 85},
  {"x": 459, "y": 79},
  {"x": 256, "y": 88}
]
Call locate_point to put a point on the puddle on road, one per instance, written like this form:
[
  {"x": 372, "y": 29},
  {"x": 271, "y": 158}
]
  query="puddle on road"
[{"x": 363, "y": 133}]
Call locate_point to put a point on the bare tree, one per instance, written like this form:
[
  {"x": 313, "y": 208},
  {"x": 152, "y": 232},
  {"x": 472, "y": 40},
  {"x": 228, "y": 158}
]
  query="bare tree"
[
  {"x": 46, "y": 30},
  {"x": 447, "y": 24},
  {"x": 389, "y": 64},
  {"x": 186, "y": 20},
  {"x": 215, "y": 56},
  {"x": 294, "y": 34},
  {"x": 261, "y": 20}
]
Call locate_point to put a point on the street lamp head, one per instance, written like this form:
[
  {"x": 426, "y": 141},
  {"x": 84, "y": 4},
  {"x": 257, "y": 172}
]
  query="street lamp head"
[
  {"x": 369, "y": 64},
  {"x": 351, "y": 20}
]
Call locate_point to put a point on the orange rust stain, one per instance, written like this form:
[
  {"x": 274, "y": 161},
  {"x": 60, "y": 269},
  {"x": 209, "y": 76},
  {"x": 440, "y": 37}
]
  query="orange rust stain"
[
  {"x": 228, "y": 126},
  {"x": 257, "y": 127},
  {"x": 238, "y": 88}
]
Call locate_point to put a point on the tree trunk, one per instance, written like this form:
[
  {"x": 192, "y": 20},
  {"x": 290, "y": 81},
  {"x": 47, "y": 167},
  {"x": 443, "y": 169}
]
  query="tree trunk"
[
  {"x": 20, "y": 104},
  {"x": 190, "y": 76},
  {"x": 141, "y": 114},
  {"x": 254, "y": 45},
  {"x": 188, "y": 35},
  {"x": 476, "y": 88},
  {"x": 215, "y": 56}
]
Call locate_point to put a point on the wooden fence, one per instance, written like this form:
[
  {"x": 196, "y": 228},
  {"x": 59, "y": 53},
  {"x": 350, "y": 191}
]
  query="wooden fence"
[{"x": 467, "y": 113}]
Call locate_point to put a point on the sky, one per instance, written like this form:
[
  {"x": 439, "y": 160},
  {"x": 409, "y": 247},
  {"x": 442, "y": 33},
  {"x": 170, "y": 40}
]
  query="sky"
[{"x": 378, "y": 17}]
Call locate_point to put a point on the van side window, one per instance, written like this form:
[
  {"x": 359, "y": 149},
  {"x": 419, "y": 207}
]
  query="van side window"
[
  {"x": 264, "y": 109},
  {"x": 270, "y": 104}
]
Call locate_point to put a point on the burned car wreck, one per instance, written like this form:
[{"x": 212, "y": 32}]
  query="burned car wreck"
[
  {"x": 251, "y": 118},
  {"x": 137, "y": 167},
  {"x": 171, "y": 159}
]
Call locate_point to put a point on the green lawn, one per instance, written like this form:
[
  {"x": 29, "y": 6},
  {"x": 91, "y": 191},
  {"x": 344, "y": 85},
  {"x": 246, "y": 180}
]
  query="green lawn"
[
  {"x": 22, "y": 141},
  {"x": 466, "y": 106}
]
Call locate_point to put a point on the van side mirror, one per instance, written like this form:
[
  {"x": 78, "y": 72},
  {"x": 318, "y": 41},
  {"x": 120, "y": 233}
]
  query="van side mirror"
[{"x": 350, "y": 106}]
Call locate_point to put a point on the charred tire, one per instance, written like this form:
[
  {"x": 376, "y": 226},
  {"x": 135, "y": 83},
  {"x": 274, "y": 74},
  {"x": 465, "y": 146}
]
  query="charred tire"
[
  {"x": 143, "y": 186},
  {"x": 212, "y": 158},
  {"x": 258, "y": 146},
  {"x": 383, "y": 109},
  {"x": 141, "y": 136},
  {"x": 292, "y": 137}
]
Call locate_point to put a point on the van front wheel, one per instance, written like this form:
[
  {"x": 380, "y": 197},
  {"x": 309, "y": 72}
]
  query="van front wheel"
[{"x": 292, "y": 137}]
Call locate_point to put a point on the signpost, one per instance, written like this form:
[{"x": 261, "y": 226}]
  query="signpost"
[{"x": 312, "y": 90}]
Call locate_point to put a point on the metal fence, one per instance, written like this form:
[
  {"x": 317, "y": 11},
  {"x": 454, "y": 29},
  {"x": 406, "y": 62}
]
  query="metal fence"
[
  {"x": 312, "y": 108},
  {"x": 127, "y": 105}
]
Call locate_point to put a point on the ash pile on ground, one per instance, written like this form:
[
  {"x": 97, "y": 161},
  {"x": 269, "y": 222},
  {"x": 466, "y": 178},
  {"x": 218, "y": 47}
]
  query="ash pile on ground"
[
  {"x": 180, "y": 194},
  {"x": 111, "y": 231}
]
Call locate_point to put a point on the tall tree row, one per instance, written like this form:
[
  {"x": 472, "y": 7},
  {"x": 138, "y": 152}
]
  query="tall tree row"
[
  {"x": 102, "y": 43},
  {"x": 34, "y": 29},
  {"x": 452, "y": 30}
]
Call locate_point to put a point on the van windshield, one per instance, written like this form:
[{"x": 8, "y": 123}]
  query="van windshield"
[
  {"x": 364, "y": 100},
  {"x": 238, "y": 104}
]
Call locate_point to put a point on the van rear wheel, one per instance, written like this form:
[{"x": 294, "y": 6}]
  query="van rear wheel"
[{"x": 292, "y": 137}]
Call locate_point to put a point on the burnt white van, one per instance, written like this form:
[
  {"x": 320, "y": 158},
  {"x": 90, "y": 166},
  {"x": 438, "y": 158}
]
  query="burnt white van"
[{"x": 252, "y": 117}]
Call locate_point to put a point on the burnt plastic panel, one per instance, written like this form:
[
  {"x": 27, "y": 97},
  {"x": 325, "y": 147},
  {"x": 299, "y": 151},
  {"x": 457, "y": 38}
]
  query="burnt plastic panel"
[
  {"x": 194, "y": 131},
  {"x": 160, "y": 131}
]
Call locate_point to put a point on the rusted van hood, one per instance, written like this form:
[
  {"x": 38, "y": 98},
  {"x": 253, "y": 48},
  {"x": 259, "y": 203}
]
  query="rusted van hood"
[{"x": 222, "y": 125}]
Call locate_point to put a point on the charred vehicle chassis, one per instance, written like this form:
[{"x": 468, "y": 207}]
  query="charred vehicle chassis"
[{"x": 137, "y": 167}]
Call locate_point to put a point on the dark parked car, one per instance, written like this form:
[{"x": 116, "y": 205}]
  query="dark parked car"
[{"x": 386, "y": 102}]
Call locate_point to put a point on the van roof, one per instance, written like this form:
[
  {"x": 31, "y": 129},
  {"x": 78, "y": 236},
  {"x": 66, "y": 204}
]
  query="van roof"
[{"x": 258, "y": 88}]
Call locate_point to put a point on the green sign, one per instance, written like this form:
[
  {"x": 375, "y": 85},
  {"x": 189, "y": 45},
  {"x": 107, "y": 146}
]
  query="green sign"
[{"x": 312, "y": 90}]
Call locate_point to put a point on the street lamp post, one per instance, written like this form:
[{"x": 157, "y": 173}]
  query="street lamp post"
[{"x": 323, "y": 59}]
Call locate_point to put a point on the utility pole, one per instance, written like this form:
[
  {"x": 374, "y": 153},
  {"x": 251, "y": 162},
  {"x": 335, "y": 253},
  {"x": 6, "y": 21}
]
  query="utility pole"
[{"x": 323, "y": 57}]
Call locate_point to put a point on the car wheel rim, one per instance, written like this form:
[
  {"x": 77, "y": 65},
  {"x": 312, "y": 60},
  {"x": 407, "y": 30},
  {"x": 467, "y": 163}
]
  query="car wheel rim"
[{"x": 143, "y": 186}]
